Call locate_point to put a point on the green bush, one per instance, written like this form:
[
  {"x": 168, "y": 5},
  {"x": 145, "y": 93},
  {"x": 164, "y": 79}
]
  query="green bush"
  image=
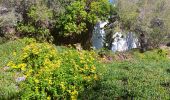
[
  {"x": 157, "y": 55},
  {"x": 51, "y": 74},
  {"x": 38, "y": 24},
  {"x": 10, "y": 49},
  {"x": 2, "y": 40}
]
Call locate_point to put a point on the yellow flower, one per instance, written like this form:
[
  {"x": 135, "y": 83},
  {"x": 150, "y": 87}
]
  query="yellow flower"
[
  {"x": 74, "y": 95},
  {"x": 47, "y": 62},
  {"x": 86, "y": 66},
  {"x": 95, "y": 77},
  {"x": 35, "y": 51},
  {"x": 14, "y": 53},
  {"x": 26, "y": 48},
  {"x": 73, "y": 98},
  {"x": 29, "y": 72},
  {"x": 22, "y": 66},
  {"x": 36, "y": 81},
  {"x": 25, "y": 55},
  {"x": 81, "y": 69},
  {"x": 87, "y": 78},
  {"x": 82, "y": 61},
  {"x": 58, "y": 63},
  {"x": 48, "y": 98},
  {"x": 62, "y": 86},
  {"x": 93, "y": 69},
  {"x": 12, "y": 65},
  {"x": 53, "y": 52},
  {"x": 91, "y": 58},
  {"x": 74, "y": 92},
  {"x": 49, "y": 82}
]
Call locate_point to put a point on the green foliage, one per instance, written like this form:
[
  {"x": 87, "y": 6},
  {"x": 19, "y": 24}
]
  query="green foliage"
[
  {"x": 82, "y": 12},
  {"x": 37, "y": 25},
  {"x": 40, "y": 12},
  {"x": 8, "y": 19},
  {"x": 2, "y": 40},
  {"x": 9, "y": 52},
  {"x": 157, "y": 55},
  {"x": 144, "y": 17},
  {"x": 104, "y": 52},
  {"x": 8, "y": 87},
  {"x": 62, "y": 73},
  {"x": 128, "y": 13},
  {"x": 10, "y": 49},
  {"x": 52, "y": 74},
  {"x": 144, "y": 77}
]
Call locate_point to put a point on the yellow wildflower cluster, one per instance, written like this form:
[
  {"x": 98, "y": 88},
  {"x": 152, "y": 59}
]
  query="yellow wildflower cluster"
[
  {"x": 62, "y": 86},
  {"x": 11, "y": 64},
  {"x": 21, "y": 66},
  {"x": 37, "y": 48},
  {"x": 73, "y": 94},
  {"x": 46, "y": 68},
  {"x": 14, "y": 53}
]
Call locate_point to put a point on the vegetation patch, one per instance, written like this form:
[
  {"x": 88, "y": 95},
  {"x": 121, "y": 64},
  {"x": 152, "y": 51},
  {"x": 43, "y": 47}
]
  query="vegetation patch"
[
  {"x": 144, "y": 77},
  {"x": 43, "y": 72}
]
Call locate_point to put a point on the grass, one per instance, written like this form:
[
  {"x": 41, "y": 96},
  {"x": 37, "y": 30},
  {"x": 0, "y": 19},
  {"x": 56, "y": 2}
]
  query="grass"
[
  {"x": 11, "y": 48},
  {"x": 8, "y": 86},
  {"x": 144, "y": 78}
]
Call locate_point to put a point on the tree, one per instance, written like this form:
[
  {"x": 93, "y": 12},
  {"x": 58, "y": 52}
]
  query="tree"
[
  {"x": 153, "y": 20},
  {"x": 8, "y": 19},
  {"x": 80, "y": 18},
  {"x": 32, "y": 18},
  {"x": 148, "y": 18},
  {"x": 122, "y": 20},
  {"x": 36, "y": 21},
  {"x": 128, "y": 13}
]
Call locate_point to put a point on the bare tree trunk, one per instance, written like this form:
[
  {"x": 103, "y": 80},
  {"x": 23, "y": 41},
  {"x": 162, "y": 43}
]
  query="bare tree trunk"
[
  {"x": 143, "y": 43},
  {"x": 87, "y": 37}
]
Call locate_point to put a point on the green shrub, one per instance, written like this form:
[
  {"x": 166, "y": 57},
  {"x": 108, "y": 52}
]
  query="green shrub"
[
  {"x": 104, "y": 52},
  {"x": 162, "y": 53},
  {"x": 10, "y": 49},
  {"x": 157, "y": 55},
  {"x": 51, "y": 74},
  {"x": 38, "y": 24},
  {"x": 2, "y": 40}
]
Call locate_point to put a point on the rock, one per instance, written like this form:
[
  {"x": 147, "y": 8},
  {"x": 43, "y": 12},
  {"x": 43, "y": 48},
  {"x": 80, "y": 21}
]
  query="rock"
[
  {"x": 20, "y": 79},
  {"x": 6, "y": 68}
]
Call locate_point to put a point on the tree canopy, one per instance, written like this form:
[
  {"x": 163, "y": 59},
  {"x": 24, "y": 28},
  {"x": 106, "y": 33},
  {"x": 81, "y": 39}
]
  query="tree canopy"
[
  {"x": 148, "y": 17},
  {"x": 81, "y": 16},
  {"x": 74, "y": 20}
]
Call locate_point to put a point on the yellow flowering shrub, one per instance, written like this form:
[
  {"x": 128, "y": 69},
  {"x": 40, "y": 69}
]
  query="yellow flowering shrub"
[{"x": 51, "y": 74}]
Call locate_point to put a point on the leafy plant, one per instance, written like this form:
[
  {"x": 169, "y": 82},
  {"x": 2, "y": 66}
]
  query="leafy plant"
[
  {"x": 37, "y": 24},
  {"x": 50, "y": 74},
  {"x": 8, "y": 86},
  {"x": 81, "y": 16},
  {"x": 9, "y": 52}
]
